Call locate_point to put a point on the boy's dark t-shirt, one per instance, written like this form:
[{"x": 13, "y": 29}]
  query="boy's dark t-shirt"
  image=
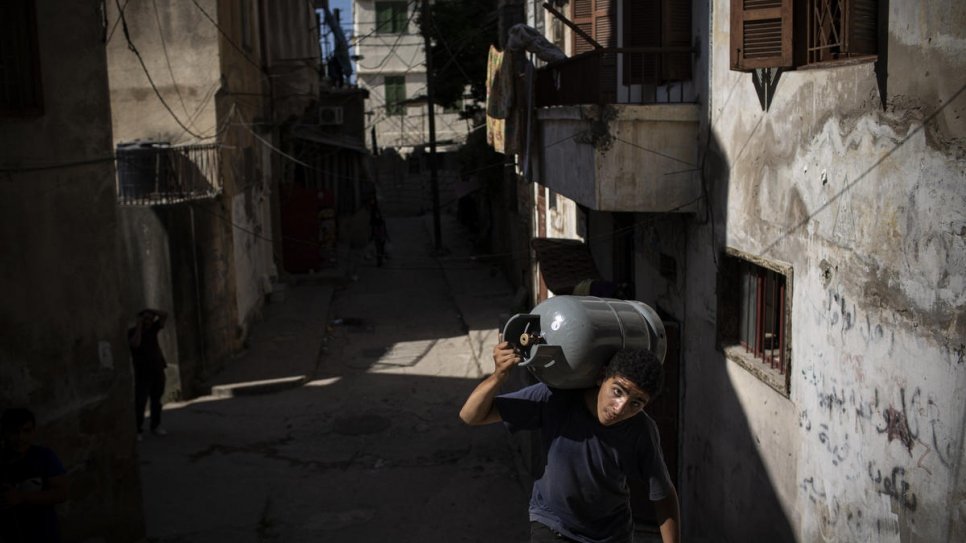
[
  {"x": 30, "y": 523},
  {"x": 582, "y": 492}
]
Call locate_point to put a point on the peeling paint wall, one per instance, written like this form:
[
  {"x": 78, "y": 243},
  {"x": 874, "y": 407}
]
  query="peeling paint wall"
[
  {"x": 867, "y": 204},
  {"x": 178, "y": 46},
  {"x": 63, "y": 348},
  {"x": 245, "y": 165}
]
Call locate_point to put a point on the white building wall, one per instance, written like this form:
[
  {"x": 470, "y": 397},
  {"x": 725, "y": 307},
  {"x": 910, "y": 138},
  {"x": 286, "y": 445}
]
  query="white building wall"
[
  {"x": 397, "y": 55},
  {"x": 868, "y": 206}
]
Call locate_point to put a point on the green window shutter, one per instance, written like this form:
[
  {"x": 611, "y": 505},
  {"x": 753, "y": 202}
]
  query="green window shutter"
[
  {"x": 761, "y": 34},
  {"x": 400, "y": 20},
  {"x": 384, "y": 17},
  {"x": 391, "y": 17},
  {"x": 395, "y": 94}
]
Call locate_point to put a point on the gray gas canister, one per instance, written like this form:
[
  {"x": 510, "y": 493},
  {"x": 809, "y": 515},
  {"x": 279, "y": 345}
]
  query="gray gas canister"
[{"x": 566, "y": 340}]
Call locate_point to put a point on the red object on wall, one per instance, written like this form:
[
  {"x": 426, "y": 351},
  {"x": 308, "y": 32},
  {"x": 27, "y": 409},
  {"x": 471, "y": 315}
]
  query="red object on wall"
[{"x": 300, "y": 228}]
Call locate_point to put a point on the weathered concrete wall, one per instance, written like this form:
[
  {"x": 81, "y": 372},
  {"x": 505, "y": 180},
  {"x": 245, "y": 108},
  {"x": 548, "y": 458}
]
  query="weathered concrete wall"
[
  {"x": 247, "y": 173},
  {"x": 63, "y": 348},
  {"x": 623, "y": 157},
  {"x": 178, "y": 46},
  {"x": 150, "y": 276},
  {"x": 212, "y": 84},
  {"x": 292, "y": 52},
  {"x": 868, "y": 206}
]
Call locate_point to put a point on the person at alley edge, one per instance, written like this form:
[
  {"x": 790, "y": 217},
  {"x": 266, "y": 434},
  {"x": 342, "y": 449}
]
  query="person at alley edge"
[
  {"x": 32, "y": 481},
  {"x": 149, "y": 365},
  {"x": 595, "y": 440}
]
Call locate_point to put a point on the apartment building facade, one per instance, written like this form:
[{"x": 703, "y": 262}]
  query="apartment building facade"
[{"x": 391, "y": 66}]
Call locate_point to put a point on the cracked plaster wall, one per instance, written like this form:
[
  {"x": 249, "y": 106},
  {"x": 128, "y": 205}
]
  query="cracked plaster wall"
[{"x": 868, "y": 206}]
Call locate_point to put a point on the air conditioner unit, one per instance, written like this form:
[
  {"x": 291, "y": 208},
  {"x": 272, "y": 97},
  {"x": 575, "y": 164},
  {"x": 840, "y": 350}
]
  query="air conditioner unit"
[{"x": 330, "y": 115}]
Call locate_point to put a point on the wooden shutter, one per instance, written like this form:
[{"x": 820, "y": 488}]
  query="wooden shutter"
[
  {"x": 761, "y": 34},
  {"x": 598, "y": 19},
  {"x": 861, "y": 36},
  {"x": 604, "y": 22},
  {"x": 605, "y": 19},
  {"x": 642, "y": 28},
  {"x": 677, "y": 33},
  {"x": 583, "y": 17}
]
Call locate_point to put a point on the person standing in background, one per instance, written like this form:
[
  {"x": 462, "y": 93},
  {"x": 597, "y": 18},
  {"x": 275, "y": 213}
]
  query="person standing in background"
[{"x": 149, "y": 365}]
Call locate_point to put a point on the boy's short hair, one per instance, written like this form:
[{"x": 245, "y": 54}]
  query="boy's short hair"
[
  {"x": 14, "y": 419},
  {"x": 639, "y": 366}
]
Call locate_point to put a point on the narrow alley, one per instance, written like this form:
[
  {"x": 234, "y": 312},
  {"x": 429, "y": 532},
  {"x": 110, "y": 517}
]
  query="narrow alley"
[
  {"x": 370, "y": 447},
  {"x": 757, "y": 208}
]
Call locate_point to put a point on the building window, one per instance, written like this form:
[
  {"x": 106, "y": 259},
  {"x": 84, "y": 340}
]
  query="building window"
[
  {"x": 395, "y": 94},
  {"x": 392, "y": 17},
  {"x": 20, "y": 90},
  {"x": 824, "y": 32},
  {"x": 754, "y": 305},
  {"x": 656, "y": 24},
  {"x": 656, "y": 37}
]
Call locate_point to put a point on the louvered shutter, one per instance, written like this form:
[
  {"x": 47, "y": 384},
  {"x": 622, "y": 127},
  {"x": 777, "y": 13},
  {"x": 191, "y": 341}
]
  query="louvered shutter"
[
  {"x": 605, "y": 19},
  {"x": 583, "y": 17},
  {"x": 862, "y": 24},
  {"x": 677, "y": 33},
  {"x": 642, "y": 28},
  {"x": 761, "y": 34}
]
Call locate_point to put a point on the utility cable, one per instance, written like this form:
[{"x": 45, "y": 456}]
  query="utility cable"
[
  {"x": 116, "y": 21},
  {"x": 376, "y": 28},
  {"x": 167, "y": 60},
  {"x": 130, "y": 45},
  {"x": 227, "y": 37},
  {"x": 393, "y": 47}
]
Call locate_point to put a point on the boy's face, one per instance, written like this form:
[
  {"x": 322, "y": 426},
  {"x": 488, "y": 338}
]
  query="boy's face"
[{"x": 619, "y": 399}]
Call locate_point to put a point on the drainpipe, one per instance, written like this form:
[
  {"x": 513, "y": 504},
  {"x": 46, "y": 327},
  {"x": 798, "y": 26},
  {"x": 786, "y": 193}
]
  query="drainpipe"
[{"x": 198, "y": 307}]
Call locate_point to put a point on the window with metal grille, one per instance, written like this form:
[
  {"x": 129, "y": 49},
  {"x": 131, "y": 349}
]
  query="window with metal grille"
[
  {"x": 20, "y": 90},
  {"x": 754, "y": 304},
  {"x": 395, "y": 87},
  {"x": 824, "y": 32},
  {"x": 391, "y": 17},
  {"x": 655, "y": 32},
  {"x": 839, "y": 30}
]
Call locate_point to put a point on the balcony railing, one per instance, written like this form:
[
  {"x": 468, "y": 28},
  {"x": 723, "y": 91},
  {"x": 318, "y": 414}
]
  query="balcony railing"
[
  {"x": 595, "y": 77},
  {"x": 150, "y": 173}
]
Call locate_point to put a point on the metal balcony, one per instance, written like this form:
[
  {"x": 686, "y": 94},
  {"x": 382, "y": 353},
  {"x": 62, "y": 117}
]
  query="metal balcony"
[
  {"x": 619, "y": 130},
  {"x": 154, "y": 173}
]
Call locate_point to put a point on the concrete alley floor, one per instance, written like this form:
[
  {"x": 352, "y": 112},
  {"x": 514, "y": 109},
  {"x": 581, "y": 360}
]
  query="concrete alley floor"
[{"x": 362, "y": 441}]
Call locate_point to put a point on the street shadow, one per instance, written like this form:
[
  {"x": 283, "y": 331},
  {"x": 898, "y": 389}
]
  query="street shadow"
[
  {"x": 727, "y": 490},
  {"x": 371, "y": 446}
]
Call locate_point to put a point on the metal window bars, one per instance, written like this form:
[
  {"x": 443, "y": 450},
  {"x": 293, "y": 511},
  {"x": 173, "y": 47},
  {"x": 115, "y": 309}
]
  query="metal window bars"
[
  {"x": 155, "y": 173},
  {"x": 762, "y": 325},
  {"x": 592, "y": 77}
]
